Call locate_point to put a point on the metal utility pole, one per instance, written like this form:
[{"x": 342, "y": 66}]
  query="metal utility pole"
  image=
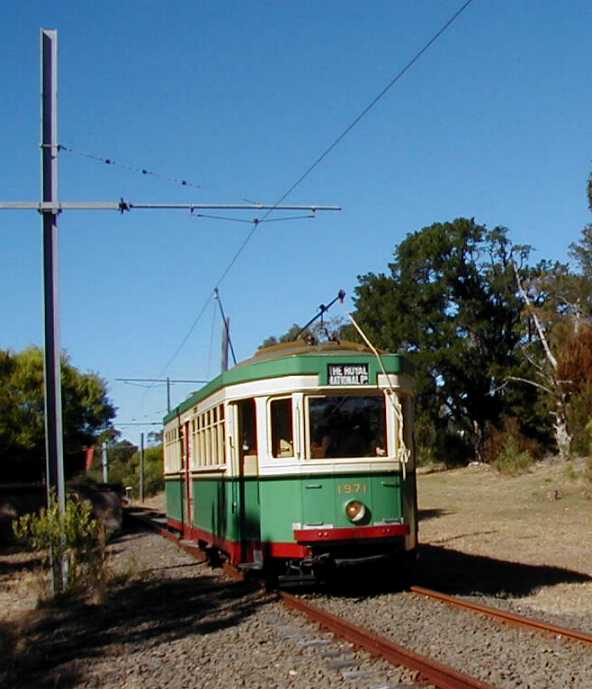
[
  {"x": 49, "y": 207},
  {"x": 54, "y": 450},
  {"x": 167, "y": 380},
  {"x": 141, "y": 467},
  {"x": 105, "y": 463}
]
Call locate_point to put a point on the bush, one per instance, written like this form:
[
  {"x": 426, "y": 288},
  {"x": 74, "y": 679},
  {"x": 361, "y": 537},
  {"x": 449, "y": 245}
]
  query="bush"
[
  {"x": 588, "y": 470},
  {"x": 511, "y": 460},
  {"x": 76, "y": 538},
  {"x": 497, "y": 440}
]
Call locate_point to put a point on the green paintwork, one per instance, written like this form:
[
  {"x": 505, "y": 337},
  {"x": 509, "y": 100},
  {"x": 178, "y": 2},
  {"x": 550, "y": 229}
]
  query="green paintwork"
[
  {"x": 292, "y": 365},
  {"x": 324, "y": 499},
  {"x": 212, "y": 507},
  {"x": 174, "y": 498},
  {"x": 269, "y": 507}
]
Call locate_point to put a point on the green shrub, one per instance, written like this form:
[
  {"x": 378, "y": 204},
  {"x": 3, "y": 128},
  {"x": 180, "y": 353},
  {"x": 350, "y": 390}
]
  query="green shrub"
[
  {"x": 125, "y": 469},
  {"x": 76, "y": 539},
  {"x": 511, "y": 460}
]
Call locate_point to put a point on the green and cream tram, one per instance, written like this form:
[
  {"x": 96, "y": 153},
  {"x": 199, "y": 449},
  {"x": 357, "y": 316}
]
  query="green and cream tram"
[{"x": 297, "y": 460}]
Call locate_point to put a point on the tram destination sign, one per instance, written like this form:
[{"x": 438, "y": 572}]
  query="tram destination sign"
[{"x": 347, "y": 374}]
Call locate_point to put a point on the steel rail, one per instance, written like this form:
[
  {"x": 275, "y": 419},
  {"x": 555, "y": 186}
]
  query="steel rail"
[
  {"x": 505, "y": 616},
  {"x": 432, "y": 671}
]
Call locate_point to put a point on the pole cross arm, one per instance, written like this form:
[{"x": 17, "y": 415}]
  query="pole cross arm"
[{"x": 121, "y": 206}]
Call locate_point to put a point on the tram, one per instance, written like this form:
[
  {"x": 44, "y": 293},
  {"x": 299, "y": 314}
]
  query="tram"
[{"x": 298, "y": 461}]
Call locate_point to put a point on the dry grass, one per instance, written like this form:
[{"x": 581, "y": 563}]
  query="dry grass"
[{"x": 541, "y": 518}]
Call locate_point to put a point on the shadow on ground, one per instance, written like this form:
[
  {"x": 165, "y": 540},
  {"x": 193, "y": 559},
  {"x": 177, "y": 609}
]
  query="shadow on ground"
[
  {"x": 54, "y": 645},
  {"x": 425, "y": 515},
  {"x": 9, "y": 566},
  {"x": 452, "y": 571}
]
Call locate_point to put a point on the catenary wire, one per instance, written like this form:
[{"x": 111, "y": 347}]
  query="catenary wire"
[{"x": 320, "y": 159}]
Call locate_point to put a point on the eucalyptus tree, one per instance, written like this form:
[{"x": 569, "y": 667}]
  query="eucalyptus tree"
[{"x": 449, "y": 299}]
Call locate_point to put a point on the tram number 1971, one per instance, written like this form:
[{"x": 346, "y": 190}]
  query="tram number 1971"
[{"x": 351, "y": 488}]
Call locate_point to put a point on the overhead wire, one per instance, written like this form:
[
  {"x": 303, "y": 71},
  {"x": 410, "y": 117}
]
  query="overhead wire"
[
  {"x": 130, "y": 167},
  {"x": 254, "y": 221},
  {"x": 142, "y": 170},
  {"x": 364, "y": 112}
]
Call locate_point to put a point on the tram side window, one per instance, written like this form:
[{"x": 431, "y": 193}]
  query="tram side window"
[
  {"x": 282, "y": 436},
  {"x": 182, "y": 446},
  {"x": 248, "y": 427},
  {"x": 209, "y": 438}
]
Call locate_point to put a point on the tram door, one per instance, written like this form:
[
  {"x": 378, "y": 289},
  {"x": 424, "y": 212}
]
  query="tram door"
[
  {"x": 185, "y": 468},
  {"x": 248, "y": 480}
]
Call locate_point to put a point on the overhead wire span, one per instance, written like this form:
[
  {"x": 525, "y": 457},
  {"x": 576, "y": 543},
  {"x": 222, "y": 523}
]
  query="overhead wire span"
[
  {"x": 328, "y": 150},
  {"x": 180, "y": 181},
  {"x": 145, "y": 171},
  {"x": 254, "y": 221}
]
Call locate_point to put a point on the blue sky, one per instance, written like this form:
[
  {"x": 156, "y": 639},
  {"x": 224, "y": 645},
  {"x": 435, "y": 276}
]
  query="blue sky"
[{"x": 240, "y": 98}]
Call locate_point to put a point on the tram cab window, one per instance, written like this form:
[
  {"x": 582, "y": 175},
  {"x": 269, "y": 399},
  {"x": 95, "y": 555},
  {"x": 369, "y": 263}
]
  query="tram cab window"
[
  {"x": 344, "y": 426},
  {"x": 282, "y": 436}
]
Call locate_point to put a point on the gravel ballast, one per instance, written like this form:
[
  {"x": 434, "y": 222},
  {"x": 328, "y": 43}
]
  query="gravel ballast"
[
  {"x": 176, "y": 623},
  {"x": 503, "y": 656}
]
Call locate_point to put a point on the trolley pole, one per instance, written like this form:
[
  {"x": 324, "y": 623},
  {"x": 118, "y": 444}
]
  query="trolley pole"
[
  {"x": 52, "y": 375},
  {"x": 142, "y": 467}
]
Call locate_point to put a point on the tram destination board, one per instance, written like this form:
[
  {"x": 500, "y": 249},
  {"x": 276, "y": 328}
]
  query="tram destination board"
[{"x": 347, "y": 374}]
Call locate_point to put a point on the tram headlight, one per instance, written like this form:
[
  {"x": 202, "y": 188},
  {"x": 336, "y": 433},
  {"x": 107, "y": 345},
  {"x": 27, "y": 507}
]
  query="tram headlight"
[{"x": 355, "y": 511}]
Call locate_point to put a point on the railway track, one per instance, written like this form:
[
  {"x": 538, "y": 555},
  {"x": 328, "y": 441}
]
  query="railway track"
[
  {"x": 488, "y": 611},
  {"x": 427, "y": 669},
  {"x": 505, "y": 616}
]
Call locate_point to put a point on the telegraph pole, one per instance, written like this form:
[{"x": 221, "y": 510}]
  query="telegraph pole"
[{"x": 50, "y": 206}]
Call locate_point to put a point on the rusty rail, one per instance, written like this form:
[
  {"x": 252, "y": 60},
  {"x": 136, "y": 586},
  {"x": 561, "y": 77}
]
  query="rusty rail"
[
  {"x": 430, "y": 670},
  {"x": 505, "y": 616}
]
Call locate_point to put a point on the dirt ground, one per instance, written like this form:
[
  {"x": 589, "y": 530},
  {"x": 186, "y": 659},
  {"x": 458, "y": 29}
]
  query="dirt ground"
[{"x": 541, "y": 520}]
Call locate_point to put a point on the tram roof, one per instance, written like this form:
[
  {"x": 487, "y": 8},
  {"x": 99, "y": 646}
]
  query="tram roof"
[{"x": 296, "y": 358}]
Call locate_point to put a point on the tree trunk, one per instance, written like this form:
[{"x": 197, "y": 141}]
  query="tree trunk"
[{"x": 561, "y": 431}]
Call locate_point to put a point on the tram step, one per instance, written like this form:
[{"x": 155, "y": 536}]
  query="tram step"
[{"x": 188, "y": 544}]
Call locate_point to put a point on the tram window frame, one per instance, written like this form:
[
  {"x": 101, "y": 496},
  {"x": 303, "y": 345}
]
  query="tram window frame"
[
  {"x": 272, "y": 445},
  {"x": 210, "y": 438},
  {"x": 308, "y": 450},
  {"x": 172, "y": 452}
]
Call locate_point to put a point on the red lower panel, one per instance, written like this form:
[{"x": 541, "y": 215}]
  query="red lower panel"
[
  {"x": 287, "y": 550},
  {"x": 233, "y": 548},
  {"x": 175, "y": 524},
  {"x": 350, "y": 534}
]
